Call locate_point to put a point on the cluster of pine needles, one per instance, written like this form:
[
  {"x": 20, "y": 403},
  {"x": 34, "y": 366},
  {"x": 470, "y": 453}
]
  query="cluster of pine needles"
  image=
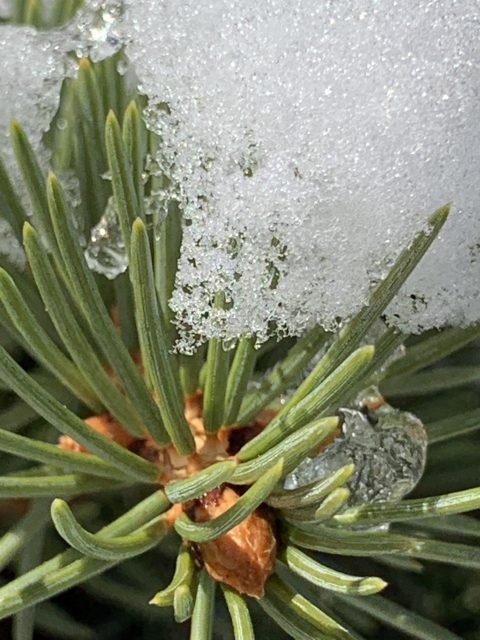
[{"x": 71, "y": 343}]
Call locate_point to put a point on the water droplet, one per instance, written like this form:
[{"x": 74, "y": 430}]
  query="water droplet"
[
  {"x": 105, "y": 252},
  {"x": 387, "y": 446},
  {"x": 96, "y": 30},
  {"x": 71, "y": 187},
  {"x": 122, "y": 67},
  {"x": 156, "y": 209}
]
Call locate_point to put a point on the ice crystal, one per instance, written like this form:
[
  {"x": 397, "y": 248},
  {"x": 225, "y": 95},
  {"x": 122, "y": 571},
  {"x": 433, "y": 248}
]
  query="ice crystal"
[
  {"x": 105, "y": 252},
  {"x": 388, "y": 448},
  {"x": 309, "y": 141}
]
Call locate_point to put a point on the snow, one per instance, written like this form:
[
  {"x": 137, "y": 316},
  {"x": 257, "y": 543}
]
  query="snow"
[
  {"x": 32, "y": 69},
  {"x": 10, "y": 248},
  {"x": 5, "y": 9},
  {"x": 309, "y": 142}
]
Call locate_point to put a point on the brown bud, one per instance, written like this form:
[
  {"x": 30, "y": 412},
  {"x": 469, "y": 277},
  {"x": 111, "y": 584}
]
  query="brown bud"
[
  {"x": 243, "y": 557},
  {"x": 193, "y": 406},
  {"x": 103, "y": 424}
]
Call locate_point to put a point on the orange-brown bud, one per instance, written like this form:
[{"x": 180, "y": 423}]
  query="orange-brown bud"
[
  {"x": 244, "y": 557},
  {"x": 104, "y": 424}
]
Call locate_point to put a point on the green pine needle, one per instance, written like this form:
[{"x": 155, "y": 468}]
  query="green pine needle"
[{"x": 195, "y": 422}]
